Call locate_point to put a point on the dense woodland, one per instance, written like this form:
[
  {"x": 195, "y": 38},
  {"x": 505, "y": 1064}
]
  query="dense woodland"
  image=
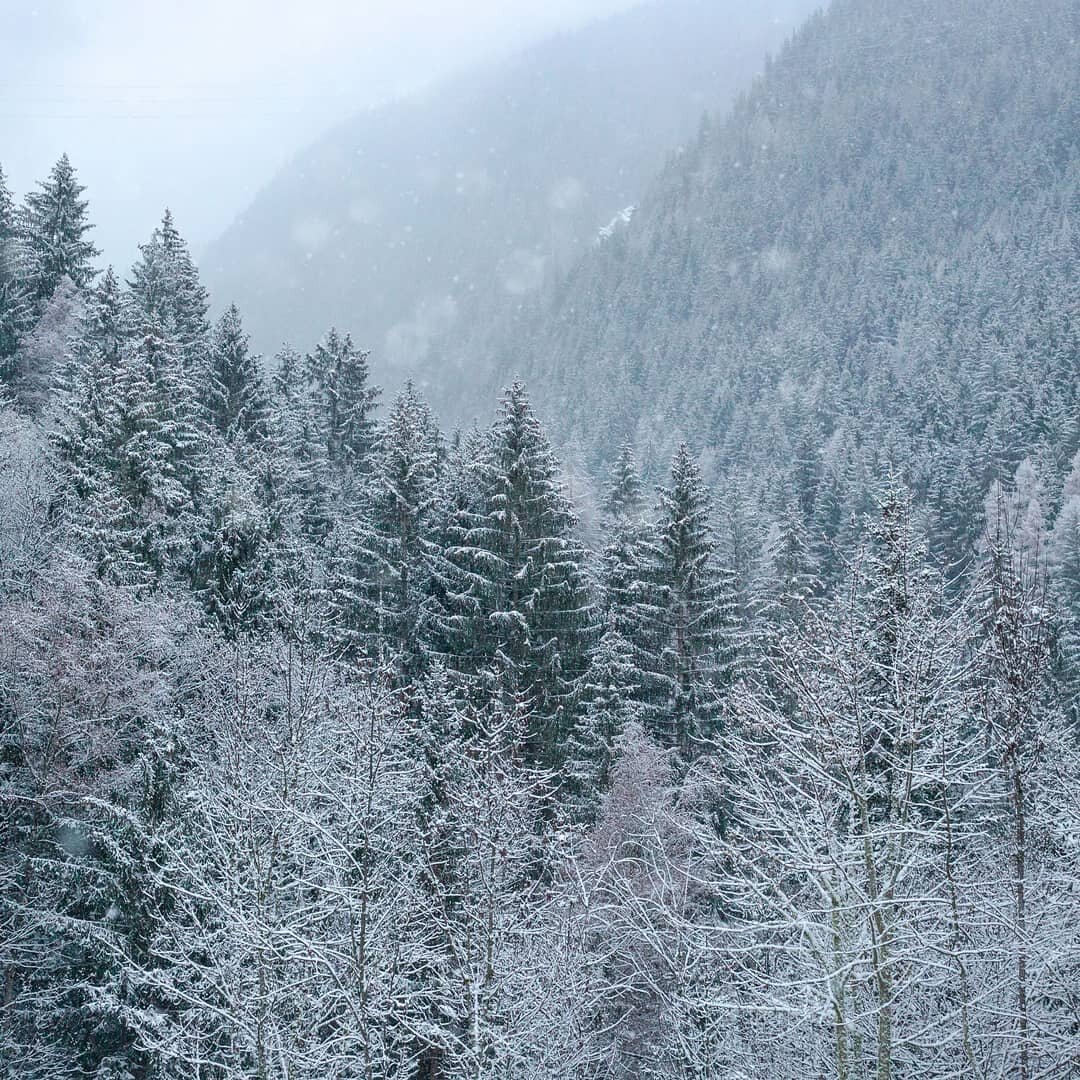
[
  {"x": 870, "y": 264},
  {"x": 335, "y": 746}
]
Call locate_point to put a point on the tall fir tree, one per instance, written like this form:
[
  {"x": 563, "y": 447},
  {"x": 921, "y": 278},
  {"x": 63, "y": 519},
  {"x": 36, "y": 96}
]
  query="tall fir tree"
[
  {"x": 16, "y": 311},
  {"x": 623, "y": 517},
  {"x": 53, "y": 234},
  {"x": 232, "y": 391},
  {"x": 624, "y": 499},
  {"x": 301, "y": 473},
  {"x": 236, "y": 549},
  {"x": 786, "y": 582},
  {"x": 383, "y": 582},
  {"x": 607, "y": 705},
  {"x": 344, "y": 400},
  {"x": 168, "y": 297},
  {"x": 129, "y": 448},
  {"x": 680, "y": 624},
  {"x": 86, "y": 401},
  {"x": 513, "y": 584}
]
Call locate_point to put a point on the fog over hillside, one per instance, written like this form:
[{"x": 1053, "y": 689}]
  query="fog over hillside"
[
  {"x": 629, "y": 629},
  {"x": 218, "y": 94},
  {"x": 412, "y": 219}
]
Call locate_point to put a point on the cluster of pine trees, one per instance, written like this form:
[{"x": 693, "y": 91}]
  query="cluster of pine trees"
[
  {"x": 868, "y": 265},
  {"x": 334, "y": 748}
]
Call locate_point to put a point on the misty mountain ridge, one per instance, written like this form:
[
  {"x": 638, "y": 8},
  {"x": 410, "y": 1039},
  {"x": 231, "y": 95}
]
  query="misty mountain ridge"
[
  {"x": 419, "y": 217},
  {"x": 833, "y": 278},
  {"x": 712, "y": 711}
]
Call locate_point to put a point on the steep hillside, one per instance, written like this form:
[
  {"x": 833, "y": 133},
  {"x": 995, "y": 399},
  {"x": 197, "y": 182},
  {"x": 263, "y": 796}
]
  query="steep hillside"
[
  {"x": 872, "y": 264},
  {"x": 415, "y": 217}
]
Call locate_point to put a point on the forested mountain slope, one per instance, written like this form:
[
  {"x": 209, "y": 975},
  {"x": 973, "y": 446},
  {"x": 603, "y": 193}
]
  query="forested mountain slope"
[
  {"x": 332, "y": 747},
  {"x": 420, "y": 215},
  {"x": 872, "y": 264}
]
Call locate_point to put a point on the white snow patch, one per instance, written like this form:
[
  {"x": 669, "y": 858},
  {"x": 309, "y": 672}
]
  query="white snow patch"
[{"x": 619, "y": 221}]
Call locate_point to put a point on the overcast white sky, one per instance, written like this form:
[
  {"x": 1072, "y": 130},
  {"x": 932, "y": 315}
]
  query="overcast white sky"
[{"x": 195, "y": 104}]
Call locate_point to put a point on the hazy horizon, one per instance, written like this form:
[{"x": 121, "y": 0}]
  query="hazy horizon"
[{"x": 197, "y": 109}]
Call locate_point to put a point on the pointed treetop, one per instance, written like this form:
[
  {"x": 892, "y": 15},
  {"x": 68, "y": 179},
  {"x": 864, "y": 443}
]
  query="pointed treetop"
[
  {"x": 7, "y": 210},
  {"x": 55, "y": 227},
  {"x": 623, "y": 500}
]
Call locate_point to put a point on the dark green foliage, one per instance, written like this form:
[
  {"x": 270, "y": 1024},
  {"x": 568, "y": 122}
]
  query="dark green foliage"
[
  {"x": 167, "y": 297},
  {"x": 16, "y": 309},
  {"x": 624, "y": 525},
  {"x": 233, "y": 571},
  {"x": 231, "y": 390},
  {"x": 513, "y": 585},
  {"x": 131, "y": 433},
  {"x": 607, "y": 704},
  {"x": 53, "y": 234},
  {"x": 681, "y": 624},
  {"x": 344, "y": 401},
  {"x": 386, "y": 574}
]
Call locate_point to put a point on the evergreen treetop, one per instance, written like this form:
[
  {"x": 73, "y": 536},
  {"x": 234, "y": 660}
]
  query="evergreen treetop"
[{"x": 53, "y": 233}]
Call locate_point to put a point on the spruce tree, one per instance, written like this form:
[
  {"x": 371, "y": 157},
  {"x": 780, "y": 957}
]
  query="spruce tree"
[
  {"x": 86, "y": 404},
  {"x": 344, "y": 401},
  {"x": 384, "y": 582},
  {"x": 607, "y": 705},
  {"x": 620, "y": 568},
  {"x": 232, "y": 392},
  {"x": 168, "y": 297},
  {"x": 129, "y": 449},
  {"x": 88, "y": 435},
  {"x": 16, "y": 311},
  {"x": 680, "y": 623},
  {"x": 513, "y": 587},
  {"x": 301, "y": 473},
  {"x": 787, "y": 581},
  {"x": 54, "y": 232},
  {"x": 624, "y": 499},
  {"x": 233, "y": 571}
]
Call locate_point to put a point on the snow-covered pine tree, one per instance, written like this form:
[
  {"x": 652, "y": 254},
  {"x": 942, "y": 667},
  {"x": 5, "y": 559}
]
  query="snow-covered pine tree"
[
  {"x": 624, "y": 500},
  {"x": 514, "y": 587},
  {"x": 233, "y": 568},
  {"x": 53, "y": 234},
  {"x": 789, "y": 570},
  {"x": 620, "y": 561},
  {"x": 247, "y": 494},
  {"x": 16, "y": 310},
  {"x": 607, "y": 704},
  {"x": 301, "y": 474},
  {"x": 383, "y": 582},
  {"x": 130, "y": 447},
  {"x": 84, "y": 432},
  {"x": 167, "y": 295},
  {"x": 679, "y": 623},
  {"x": 344, "y": 401},
  {"x": 232, "y": 392}
]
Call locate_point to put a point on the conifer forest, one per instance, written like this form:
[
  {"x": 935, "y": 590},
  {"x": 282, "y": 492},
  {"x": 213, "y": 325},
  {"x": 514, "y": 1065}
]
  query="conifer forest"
[{"x": 670, "y": 669}]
